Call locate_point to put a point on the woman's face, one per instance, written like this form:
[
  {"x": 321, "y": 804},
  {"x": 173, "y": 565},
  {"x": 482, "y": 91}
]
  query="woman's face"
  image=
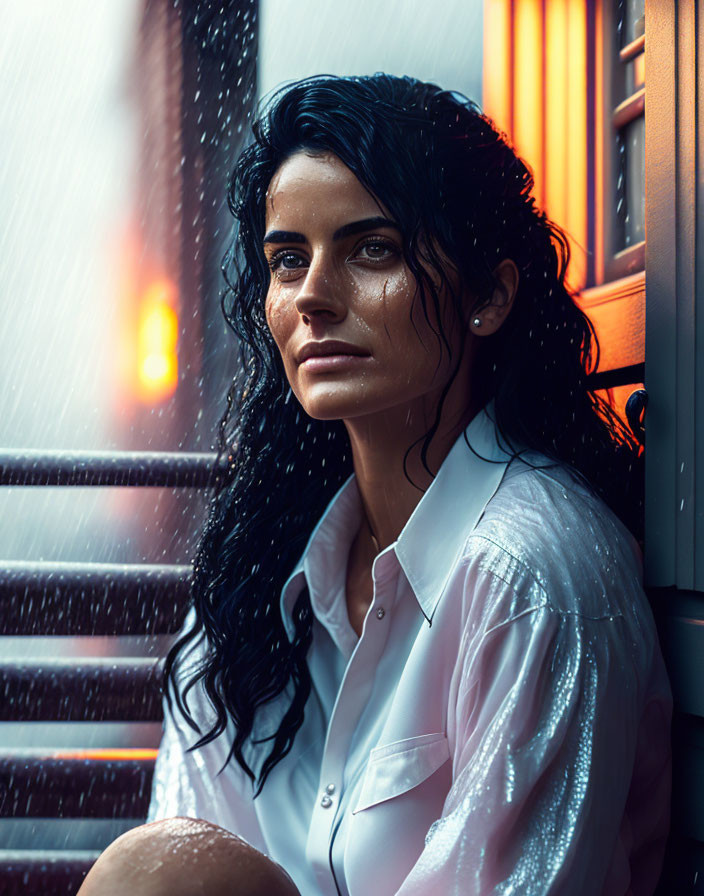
[{"x": 338, "y": 273}]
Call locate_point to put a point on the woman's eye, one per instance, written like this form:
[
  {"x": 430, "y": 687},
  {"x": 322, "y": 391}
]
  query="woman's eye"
[
  {"x": 286, "y": 262},
  {"x": 377, "y": 250}
]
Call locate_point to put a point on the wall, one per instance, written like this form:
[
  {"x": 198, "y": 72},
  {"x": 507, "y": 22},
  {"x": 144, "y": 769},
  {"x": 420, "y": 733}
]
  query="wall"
[{"x": 440, "y": 42}]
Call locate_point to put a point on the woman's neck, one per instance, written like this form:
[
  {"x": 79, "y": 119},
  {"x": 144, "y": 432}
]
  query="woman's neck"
[{"x": 379, "y": 444}]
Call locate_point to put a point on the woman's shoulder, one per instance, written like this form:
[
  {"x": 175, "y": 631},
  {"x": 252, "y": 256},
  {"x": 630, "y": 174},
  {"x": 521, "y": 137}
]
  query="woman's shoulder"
[{"x": 553, "y": 542}]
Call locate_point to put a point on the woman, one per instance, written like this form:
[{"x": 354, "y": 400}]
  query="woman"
[{"x": 419, "y": 658}]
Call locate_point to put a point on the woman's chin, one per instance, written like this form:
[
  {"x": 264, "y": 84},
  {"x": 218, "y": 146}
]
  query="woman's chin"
[
  {"x": 336, "y": 411},
  {"x": 339, "y": 408}
]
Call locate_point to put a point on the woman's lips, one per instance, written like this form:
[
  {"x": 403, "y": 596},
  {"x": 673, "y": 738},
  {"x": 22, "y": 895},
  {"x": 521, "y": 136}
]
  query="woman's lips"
[{"x": 322, "y": 363}]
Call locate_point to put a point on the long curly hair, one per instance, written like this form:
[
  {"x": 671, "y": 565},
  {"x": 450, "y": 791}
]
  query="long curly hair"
[{"x": 445, "y": 172}]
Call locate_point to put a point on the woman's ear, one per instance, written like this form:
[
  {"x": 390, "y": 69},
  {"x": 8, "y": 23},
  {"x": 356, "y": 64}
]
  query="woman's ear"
[{"x": 491, "y": 317}]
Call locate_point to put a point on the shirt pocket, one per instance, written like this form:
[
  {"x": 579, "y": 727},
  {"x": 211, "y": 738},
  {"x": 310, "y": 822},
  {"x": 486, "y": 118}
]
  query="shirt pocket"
[{"x": 398, "y": 767}]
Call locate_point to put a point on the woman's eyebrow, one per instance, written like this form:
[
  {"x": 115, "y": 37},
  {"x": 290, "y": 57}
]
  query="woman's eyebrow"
[{"x": 292, "y": 236}]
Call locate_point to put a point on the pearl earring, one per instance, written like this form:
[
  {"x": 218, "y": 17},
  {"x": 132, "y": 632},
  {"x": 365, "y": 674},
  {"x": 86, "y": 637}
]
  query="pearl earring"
[{"x": 477, "y": 321}]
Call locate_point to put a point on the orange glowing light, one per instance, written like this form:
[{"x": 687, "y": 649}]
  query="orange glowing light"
[
  {"x": 557, "y": 101},
  {"x": 576, "y": 133},
  {"x": 528, "y": 111},
  {"x": 105, "y": 755},
  {"x": 639, "y": 70},
  {"x": 542, "y": 103},
  {"x": 157, "y": 339}
]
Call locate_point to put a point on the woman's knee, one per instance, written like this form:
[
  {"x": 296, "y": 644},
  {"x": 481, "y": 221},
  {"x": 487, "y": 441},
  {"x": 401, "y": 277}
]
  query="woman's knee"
[{"x": 184, "y": 857}]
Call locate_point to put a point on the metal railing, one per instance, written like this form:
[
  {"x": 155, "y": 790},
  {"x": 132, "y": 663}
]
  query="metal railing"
[
  {"x": 90, "y": 598},
  {"x": 100, "y": 468},
  {"x": 84, "y": 599}
]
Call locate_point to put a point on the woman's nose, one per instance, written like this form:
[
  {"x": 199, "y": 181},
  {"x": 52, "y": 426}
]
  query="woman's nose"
[{"x": 320, "y": 293}]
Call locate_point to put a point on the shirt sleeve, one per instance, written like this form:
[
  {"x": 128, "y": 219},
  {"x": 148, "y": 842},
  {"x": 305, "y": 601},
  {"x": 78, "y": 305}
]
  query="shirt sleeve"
[{"x": 545, "y": 725}]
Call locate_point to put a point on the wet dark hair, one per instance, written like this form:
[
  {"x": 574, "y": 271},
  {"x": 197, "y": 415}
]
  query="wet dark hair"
[{"x": 442, "y": 170}]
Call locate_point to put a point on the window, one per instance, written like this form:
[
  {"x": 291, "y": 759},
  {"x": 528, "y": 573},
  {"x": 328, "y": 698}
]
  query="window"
[
  {"x": 566, "y": 84},
  {"x": 623, "y": 144}
]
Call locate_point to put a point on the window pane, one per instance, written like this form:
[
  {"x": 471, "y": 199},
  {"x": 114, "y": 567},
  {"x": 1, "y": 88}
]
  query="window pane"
[{"x": 630, "y": 184}]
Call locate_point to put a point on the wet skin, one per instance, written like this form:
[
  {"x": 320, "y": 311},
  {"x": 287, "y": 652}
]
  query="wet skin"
[
  {"x": 356, "y": 288},
  {"x": 184, "y": 857}
]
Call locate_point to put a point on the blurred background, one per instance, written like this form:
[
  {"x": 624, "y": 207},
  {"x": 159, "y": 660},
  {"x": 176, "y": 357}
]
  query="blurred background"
[{"x": 120, "y": 123}]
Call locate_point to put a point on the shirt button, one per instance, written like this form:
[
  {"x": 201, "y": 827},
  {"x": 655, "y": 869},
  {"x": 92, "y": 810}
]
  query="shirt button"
[
  {"x": 330, "y": 788},
  {"x": 326, "y": 802},
  {"x": 380, "y": 613}
]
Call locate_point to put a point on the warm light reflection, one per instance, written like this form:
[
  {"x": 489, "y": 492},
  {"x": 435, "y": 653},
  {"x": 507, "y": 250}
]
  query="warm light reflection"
[
  {"x": 600, "y": 99},
  {"x": 575, "y": 125},
  {"x": 639, "y": 71},
  {"x": 557, "y": 100},
  {"x": 542, "y": 104},
  {"x": 617, "y": 398},
  {"x": 104, "y": 755},
  {"x": 528, "y": 82},
  {"x": 157, "y": 338}
]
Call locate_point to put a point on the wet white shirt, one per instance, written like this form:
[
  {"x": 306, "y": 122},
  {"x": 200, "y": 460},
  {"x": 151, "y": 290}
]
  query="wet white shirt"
[{"x": 501, "y": 725}]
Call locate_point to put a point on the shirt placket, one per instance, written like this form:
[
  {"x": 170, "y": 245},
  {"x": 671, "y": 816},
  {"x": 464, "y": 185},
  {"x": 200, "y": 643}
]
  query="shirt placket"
[{"x": 352, "y": 698}]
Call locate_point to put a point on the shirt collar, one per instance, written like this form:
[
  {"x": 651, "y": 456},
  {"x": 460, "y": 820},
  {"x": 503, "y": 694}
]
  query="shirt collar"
[{"x": 430, "y": 543}]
